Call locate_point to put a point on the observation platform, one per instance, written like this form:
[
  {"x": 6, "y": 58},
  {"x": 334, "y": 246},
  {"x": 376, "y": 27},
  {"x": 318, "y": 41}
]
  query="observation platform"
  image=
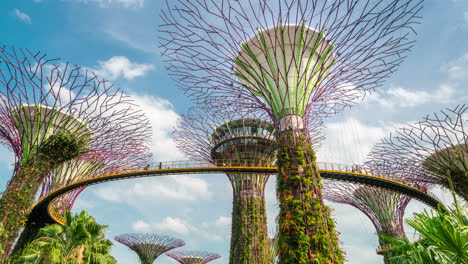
[{"x": 45, "y": 212}]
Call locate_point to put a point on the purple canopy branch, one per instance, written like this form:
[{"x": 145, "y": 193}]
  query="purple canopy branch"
[
  {"x": 57, "y": 118},
  {"x": 435, "y": 150}
]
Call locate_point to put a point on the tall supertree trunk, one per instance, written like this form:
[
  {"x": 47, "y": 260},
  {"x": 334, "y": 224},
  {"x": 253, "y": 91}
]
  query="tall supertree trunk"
[
  {"x": 18, "y": 199},
  {"x": 249, "y": 235},
  {"x": 306, "y": 230}
]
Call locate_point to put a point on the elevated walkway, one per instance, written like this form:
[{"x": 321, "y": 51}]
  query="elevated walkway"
[{"x": 46, "y": 211}]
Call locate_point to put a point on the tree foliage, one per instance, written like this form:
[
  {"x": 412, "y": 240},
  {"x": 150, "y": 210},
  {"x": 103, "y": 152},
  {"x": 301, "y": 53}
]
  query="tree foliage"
[
  {"x": 443, "y": 239},
  {"x": 80, "y": 241}
]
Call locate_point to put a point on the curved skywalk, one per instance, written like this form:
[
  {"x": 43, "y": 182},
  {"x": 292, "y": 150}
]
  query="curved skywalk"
[{"x": 47, "y": 209}]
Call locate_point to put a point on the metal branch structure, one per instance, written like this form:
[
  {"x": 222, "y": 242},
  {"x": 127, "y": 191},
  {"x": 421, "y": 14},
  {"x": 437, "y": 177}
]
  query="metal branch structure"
[
  {"x": 298, "y": 61},
  {"x": 148, "y": 246},
  {"x": 384, "y": 208},
  {"x": 207, "y": 136},
  {"x": 61, "y": 122},
  {"x": 434, "y": 149},
  {"x": 192, "y": 256}
]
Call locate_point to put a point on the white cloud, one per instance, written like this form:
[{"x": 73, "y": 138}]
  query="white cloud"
[
  {"x": 121, "y": 3},
  {"x": 23, "y": 16},
  {"x": 181, "y": 187},
  {"x": 457, "y": 69},
  {"x": 120, "y": 66},
  {"x": 401, "y": 97},
  {"x": 465, "y": 16},
  {"x": 223, "y": 221},
  {"x": 169, "y": 224},
  {"x": 444, "y": 93},
  {"x": 163, "y": 119},
  {"x": 350, "y": 141},
  {"x": 81, "y": 204},
  {"x": 175, "y": 225},
  {"x": 133, "y": 39}
]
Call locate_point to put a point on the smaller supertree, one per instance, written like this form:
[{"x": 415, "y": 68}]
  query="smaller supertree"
[
  {"x": 55, "y": 116},
  {"x": 436, "y": 148},
  {"x": 384, "y": 208},
  {"x": 149, "y": 246},
  {"x": 193, "y": 256}
]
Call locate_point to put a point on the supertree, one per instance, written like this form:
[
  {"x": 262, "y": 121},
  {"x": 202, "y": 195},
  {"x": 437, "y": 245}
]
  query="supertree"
[
  {"x": 192, "y": 256},
  {"x": 53, "y": 114},
  {"x": 384, "y": 208},
  {"x": 245, "y": 138},
  {"x": 240, "y": 139},
  {"x": 436, "y": 148},
  {"x": 297, "y": 61},
  {"x": 149, "y": 246}
]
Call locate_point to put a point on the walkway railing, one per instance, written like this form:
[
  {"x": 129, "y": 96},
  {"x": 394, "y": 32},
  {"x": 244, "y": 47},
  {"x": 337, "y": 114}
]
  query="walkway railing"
[{"x": 217, "y": 166}]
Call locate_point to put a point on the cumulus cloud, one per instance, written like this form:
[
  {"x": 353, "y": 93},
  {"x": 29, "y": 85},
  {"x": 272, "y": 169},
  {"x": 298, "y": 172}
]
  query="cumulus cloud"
[
  {"x": 223, "y": 221},
  {"x": 349, "y": 141},
  {"x": 23, "y": 16},
  {"x": 457, "y": 69},
  {"x": 175, "y": 225},
  {"x": 172, "y": 188},
  {"x": 401, "y": 97},
  {"x": 121, "y": 3},
  {"x": 120, "y": 66},
  {"x": 444, "y": 92},
  {"x": 163, "y": 119}
]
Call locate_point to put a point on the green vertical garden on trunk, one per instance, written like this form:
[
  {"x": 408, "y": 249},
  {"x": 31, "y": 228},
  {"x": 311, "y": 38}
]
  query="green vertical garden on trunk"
[
  {"x": 22, "y": 188},
  {"x": 249, "y": 240},
  {"x": 306, "y": 230}
]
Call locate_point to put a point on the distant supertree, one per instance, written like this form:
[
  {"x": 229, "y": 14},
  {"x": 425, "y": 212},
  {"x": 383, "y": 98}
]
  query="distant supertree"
[
  {"x": 247, "y": 141},
  {"x": 53, "y": 114},
  {"x": 384, "y": 208},
  {"x": 193, "y": 256},
  {"x": 149, "y": 246},
  {"x": 436, "y": 148},
  {"x": 297, "y": 61}
]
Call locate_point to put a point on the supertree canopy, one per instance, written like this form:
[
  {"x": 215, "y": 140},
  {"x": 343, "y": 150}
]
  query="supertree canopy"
[
  {"x": 384, "y": 208},
  {"x": 244, "y": 141},
  {"x": 436, "y": 148},
  {"x": 55, "y": 117},
  {"x": 193, "y": 256},
  {"x": 297, "y": 61},
  {"x": 149, "y": 246}
]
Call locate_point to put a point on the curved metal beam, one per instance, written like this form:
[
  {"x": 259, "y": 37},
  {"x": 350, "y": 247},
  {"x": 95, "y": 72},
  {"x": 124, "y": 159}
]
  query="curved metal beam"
[{"x": 44, "y": 213}]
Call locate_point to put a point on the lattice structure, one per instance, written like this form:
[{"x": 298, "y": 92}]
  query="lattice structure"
[
  {"x": 59, "y": 119},
  {"x": 206, "y": 136},
  {"x": 297, "y": 61},
  {"x": 193, "y": 256},
  {"x": 147, "y": 246},
  {"x": 434, "y": 150}
]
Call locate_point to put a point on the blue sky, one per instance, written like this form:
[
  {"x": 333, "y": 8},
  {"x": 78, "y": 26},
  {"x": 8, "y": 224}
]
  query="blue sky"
[{"x": 118, "y": 39}]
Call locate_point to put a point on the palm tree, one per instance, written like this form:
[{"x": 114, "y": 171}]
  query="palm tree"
[
  {"x": 80, "y": 241},
  {"x": 444, "y": 239}
]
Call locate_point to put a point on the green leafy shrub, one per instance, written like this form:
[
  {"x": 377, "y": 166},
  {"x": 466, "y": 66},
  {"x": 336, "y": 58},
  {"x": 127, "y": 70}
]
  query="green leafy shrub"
[
  {"x": 80, "y": 241},
  {"x": 306, "y": 230}
]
